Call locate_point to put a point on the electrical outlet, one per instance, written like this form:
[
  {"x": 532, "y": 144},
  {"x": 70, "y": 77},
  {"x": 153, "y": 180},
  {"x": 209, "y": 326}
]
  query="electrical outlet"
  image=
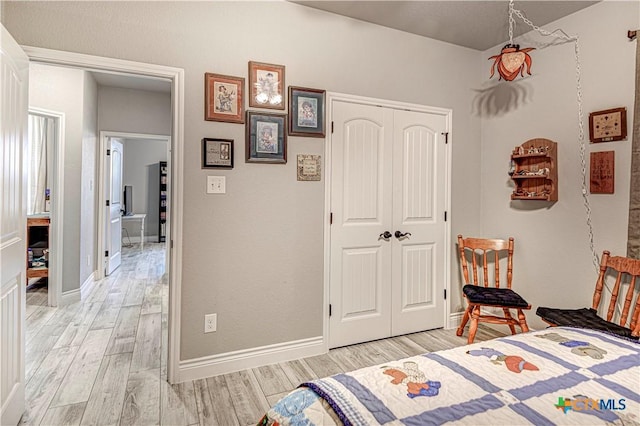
[{"x": 210, "y": 323}]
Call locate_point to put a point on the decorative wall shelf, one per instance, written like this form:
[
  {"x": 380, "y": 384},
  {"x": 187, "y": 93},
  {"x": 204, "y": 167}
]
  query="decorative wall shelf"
[{"x": 534, "y": 170}]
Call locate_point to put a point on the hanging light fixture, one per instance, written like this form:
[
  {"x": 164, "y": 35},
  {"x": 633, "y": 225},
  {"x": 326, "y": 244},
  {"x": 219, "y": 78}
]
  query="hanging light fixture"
[{"x": 512, "y": 60}]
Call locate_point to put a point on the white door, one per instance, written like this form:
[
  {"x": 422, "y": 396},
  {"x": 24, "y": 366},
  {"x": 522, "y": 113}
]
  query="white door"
[
  {"x": 14, "y": 66},
  {"x": 388, "y": 175},
  {"x": 114, "y": 216}
]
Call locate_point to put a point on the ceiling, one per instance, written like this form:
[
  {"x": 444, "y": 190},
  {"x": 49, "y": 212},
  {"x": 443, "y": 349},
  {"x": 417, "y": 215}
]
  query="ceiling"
[
  {"x": 129, "y": 81},
  {"x": 478, "y": 25}
]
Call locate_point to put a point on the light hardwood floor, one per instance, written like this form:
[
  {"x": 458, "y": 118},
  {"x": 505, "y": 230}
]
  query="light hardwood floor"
[{"x": 103, "y": 360}]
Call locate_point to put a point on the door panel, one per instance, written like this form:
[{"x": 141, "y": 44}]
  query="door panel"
[
  {"x": 419, "y": 203},
  {"x": 114, "y": 225},
  {"x": 14, "y": 66},
  {"x": 360, "y": 260}
]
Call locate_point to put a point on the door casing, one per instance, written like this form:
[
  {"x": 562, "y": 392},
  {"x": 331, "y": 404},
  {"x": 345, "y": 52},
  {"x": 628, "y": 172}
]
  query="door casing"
[{"x": 447, "y": 113}]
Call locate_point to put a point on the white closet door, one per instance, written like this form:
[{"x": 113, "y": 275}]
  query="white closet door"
[
  {"x": 114, "y": 223},
  {"x": 419, "y": 164},
  {"x": 361, "y": 206}
]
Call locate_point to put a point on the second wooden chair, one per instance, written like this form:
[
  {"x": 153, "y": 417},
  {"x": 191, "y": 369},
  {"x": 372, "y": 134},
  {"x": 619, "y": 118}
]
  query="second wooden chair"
[{"x": 487, "y": 292}]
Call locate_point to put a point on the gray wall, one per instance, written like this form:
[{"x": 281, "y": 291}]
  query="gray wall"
[
  {"x": 553, "y": 264},
  {"x": 257, "y": 251},
  {"x": 61, "y": 90},
  {"x": 134, "y": 111},
  {"x": 88, "y": 200},
  {"x": 141, "y": 171}
]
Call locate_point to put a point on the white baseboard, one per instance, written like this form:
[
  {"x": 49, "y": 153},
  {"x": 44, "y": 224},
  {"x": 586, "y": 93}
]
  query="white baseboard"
[
  {"x": 87, "y": 286},
  {"x": 214, "y": 365},
  {"x": 69, "y": 297},
  {"x": 454, "y": 320}
]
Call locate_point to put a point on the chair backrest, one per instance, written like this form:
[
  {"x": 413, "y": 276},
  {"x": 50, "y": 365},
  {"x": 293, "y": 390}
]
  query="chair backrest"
[
  {"x": 625, "y": 270},
  {"x": 481, "y": 250}
]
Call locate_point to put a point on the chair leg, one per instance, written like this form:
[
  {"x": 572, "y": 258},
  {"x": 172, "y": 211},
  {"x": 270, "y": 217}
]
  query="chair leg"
[
  {"x": 522, "y": 320},
  {"x": 465, "y": 318},
  {"x": 473, "y": 327},
  {"x": 507, "y": 315}
]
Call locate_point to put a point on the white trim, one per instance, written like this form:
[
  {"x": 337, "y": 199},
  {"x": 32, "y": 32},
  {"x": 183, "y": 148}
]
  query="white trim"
[
  {"x": 56, "y": 215},
  {"x": 448, "y": 114},
  {"x": 87, "y": 286},
  {"x": 454, "y": 320},
  {"x": 175, "y": 211},
  {"x": 208, "y": 366}
]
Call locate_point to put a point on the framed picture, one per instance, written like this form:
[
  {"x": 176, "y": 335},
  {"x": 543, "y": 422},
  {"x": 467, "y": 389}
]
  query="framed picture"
[
  {"x": 602, "y": 172},
  {"x": 217, "y": 153},
  {"x": 223, "y": 98},
  {"x": 266, "y": 138},
  {"x": 306, "y": 112},
  {"x": 309, "y": 168},
  {"x": 608, "y": 125},
  {"x": 266, "y": 85}
]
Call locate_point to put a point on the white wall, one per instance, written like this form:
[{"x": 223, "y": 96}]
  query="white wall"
[
  {"x": 553, "y": 263},
  {"x": 61, "y": 90},
  {"x": 255, "y": 255},
  {"x": 88, "y": 201},
  {"x": 142, "y": 172}
]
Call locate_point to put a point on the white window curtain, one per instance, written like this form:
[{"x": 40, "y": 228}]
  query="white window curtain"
[
  {"x": 41, "y": 130},
  {"x": 633, "y": 240}
]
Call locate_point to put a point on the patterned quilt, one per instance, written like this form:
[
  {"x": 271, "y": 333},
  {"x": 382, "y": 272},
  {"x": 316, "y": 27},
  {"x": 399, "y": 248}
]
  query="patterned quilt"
[{"x": 553, "y": 376}]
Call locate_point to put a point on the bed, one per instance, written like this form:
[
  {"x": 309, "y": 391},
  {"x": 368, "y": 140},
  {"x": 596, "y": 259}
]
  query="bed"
[{"x": 560, "y": 375}]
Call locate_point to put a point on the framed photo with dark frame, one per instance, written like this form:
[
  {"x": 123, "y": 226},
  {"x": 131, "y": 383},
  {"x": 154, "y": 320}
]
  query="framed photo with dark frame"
[
  {"x": 223, "y": 98},
  {"x": 217, "y": 153},
  {"x": 266, "y": 138},
  {"x": 608, "y": 125},
  {"x": 266, "y": 85},
  {"x": 306, "y": 112}
]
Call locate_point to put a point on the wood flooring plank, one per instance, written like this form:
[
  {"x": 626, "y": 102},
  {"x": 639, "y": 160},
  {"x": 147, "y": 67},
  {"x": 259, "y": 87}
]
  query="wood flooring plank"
[
  {"x": 178, "y": 404},
  {"x": 298, "y": 371},
  {"x": 323, "y": 365},
  {"x": 69, "y": 415},
  {"x": 223, "y": 410},
  {"x": 152, "y": 302},
  {"x": 45, "y": 382},
  {"x": 272, "y": 379},
  {"x": 142, "y": 399},
  {"x": 249, "y": 402},
  {"x": 204, "y": 403},
  {"x": 78, "y": 382},
  {"x": 108, "y": 314},
  {"x": 135, "y": 293},
  {"x": 408, "y": 346},
  {"x": 107, "y": 396},
  {"x": 78, "y": 328},
  {"x": 146, "y": 352},
  {"x": 123, "y": 338},
  {"x": 275, "y": 398}
]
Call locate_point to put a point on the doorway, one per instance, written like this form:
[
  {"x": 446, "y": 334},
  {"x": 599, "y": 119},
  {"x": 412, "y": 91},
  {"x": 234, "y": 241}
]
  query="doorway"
[
  {"x": 175, "y": 77},
  {"x": 389, "y": 197}
]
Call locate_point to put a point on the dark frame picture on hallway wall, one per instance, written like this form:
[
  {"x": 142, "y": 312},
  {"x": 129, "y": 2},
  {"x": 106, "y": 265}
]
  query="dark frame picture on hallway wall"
[
  {"x": 217, "y": 153},
  {"x": 266, "y": 137}
]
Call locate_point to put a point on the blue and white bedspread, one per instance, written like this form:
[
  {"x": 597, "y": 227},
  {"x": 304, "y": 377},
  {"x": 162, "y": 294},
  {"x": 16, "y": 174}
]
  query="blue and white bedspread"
[{"x": 555, "y": 376}]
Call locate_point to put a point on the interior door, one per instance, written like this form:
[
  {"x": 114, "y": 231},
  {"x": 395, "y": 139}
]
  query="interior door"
[
  {"x": 114, "y": 217},
  {"x": 419, "y": 164},
  {"x": 388, "y": 174},
  {"x": 14, "y": 66},
  {"x": 360, "y": 194}
]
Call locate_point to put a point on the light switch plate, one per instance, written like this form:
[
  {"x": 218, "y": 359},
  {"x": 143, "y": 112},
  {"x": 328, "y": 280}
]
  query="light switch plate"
[{"x": 216, "y": 184}]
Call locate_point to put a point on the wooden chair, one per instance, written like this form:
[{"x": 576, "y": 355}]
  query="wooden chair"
[
  {"x": 481, "y": 294},
  {"x": 626, "y": 271}
]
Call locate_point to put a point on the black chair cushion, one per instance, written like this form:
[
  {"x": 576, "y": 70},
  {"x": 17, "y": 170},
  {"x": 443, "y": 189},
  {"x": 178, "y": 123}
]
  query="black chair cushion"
[
  {"x": 582, "y": 318},
  {"x": 494, "y": 296}
]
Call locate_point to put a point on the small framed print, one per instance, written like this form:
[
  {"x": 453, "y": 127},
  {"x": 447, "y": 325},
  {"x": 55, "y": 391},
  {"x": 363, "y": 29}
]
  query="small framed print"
[
  {"x": 266, "y": 138},
  {"x": 309, "y": 168},
  {"x": 306, "y": 112},
  {"x": 217, "y": 153},
  {"x": 602, "y": 172},
  {"x": 266, "y": 85},
  {"x": 223, "y": 98},
  {"x": 608, "y": 125}
]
